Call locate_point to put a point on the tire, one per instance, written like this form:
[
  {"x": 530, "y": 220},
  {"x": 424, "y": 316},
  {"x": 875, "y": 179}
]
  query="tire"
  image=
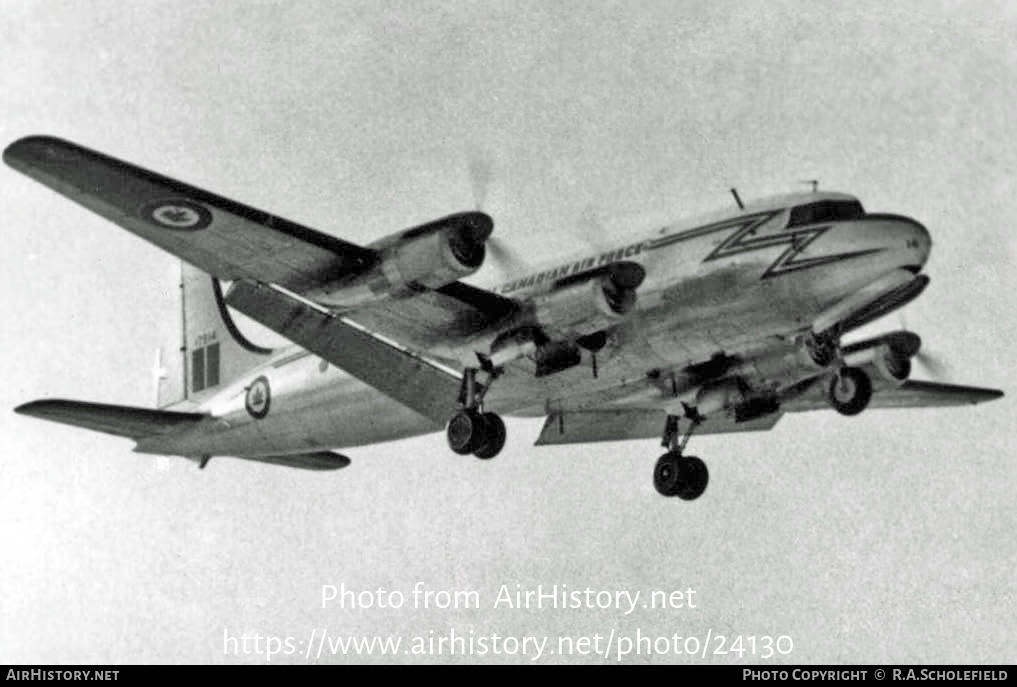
[
  {"x": 666, "y": 474},
  {"x": 683, "y": 476},
  {"x": 850, "y": 391},
  {"x": 466, "y": 432},
  {"x": 495, "y": 434},
  {"x": 694, "y": 476}
]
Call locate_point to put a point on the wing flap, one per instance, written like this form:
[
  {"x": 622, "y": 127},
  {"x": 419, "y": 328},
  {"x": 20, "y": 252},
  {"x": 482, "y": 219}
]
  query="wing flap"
[
  {"x": 409, "y": 379},
  {"x": 623, "y": 424},
  {"x": 227, "y": 239},
  {"x": 122, "y": 421}
]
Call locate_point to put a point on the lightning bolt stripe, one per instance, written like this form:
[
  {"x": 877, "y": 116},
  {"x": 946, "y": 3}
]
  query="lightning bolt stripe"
[
  {"x": 744, "y": 241},
  {"x": 744, "y": 225}
]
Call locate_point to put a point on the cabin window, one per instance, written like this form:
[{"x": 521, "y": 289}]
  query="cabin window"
[{"x": 825, "y": 211}]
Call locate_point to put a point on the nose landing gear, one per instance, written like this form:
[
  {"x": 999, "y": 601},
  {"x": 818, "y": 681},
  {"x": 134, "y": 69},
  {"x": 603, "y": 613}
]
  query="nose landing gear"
[
  {"x": 675, "y": 473},
  {"x": 472, "y": 430},
  {"x": 850, "y": 391}
]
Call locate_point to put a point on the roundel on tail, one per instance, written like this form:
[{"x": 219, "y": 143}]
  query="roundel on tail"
[
  {"x": 177, "y": 214},
  {"x": 258, "y": 398}
]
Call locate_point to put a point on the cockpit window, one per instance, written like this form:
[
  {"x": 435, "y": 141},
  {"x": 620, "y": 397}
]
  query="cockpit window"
[{"x": 825, "y": 211}]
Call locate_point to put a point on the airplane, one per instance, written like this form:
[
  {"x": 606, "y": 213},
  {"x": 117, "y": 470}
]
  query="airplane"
[{"x": 717, "y": 324}]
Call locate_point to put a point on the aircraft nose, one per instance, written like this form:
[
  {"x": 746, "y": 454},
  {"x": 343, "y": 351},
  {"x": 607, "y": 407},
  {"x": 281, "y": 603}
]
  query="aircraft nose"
[
  {"x": 918, "y": 240},
  {"x": 909, "y": 239}
]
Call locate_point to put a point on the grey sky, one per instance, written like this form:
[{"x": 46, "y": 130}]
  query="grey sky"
[{"x": 888, "y": 537}]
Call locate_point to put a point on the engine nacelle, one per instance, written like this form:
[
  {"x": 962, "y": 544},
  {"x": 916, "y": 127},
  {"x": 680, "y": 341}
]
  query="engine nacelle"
[
  {"x": 433, "y": 259},
  {"x": 890, "y": 367},
  {"x": 886, "y": 359},
  {"x": 786, "y": 365},
  {"x": 588, "y": 303},
  {"x": 429, "y": 256}
]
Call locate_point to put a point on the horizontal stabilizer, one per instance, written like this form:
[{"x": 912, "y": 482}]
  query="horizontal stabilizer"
[{"x": 121, "y": 421}]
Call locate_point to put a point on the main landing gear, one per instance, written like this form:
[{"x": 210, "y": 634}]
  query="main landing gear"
[
  {"x": 472, "y": 430},
  {"x": 676, "y": 474}
]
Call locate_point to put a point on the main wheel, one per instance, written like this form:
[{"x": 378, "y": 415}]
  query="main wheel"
[
  {"x": 693, "y": 478},
  {"x": 850, "y": 391},
  {"x": 665, "y": 474},
  {"x": 494, "y": 432},
  {"x": 683, "y": 476},
  {"x": 466, "y": 432}
]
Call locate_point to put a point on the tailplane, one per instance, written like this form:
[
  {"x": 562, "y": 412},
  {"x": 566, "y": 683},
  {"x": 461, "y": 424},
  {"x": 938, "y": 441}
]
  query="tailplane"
[{"x": 205, "y": 350}]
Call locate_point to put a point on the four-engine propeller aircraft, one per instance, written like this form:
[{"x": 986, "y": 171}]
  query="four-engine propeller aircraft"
[{"x": 716, "y": 325}]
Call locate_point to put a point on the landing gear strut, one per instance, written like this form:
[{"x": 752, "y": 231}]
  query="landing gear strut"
[
  {"x": 675, "y": 473},
  {"x": 472, "y": 430}
]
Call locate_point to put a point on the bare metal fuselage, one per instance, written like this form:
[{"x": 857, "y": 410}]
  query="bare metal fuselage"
[{"x": 736, "y": 283}]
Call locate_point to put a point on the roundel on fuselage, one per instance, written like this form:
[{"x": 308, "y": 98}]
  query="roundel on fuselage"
[{"x": 258, "y": 398}]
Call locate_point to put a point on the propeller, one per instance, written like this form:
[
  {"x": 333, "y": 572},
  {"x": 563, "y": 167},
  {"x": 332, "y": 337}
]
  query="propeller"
[
  {"x": 930, "y": 362},
  {"x": 592, "y": 228},
  {"x": 933, "y": 364},
  {"x": 481, "y": 169},
  {"x": 504, "y": 256}
]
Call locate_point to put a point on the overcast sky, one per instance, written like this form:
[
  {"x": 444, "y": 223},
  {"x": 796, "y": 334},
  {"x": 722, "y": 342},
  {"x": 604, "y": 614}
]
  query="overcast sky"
[{"x": 883, "y": 538}]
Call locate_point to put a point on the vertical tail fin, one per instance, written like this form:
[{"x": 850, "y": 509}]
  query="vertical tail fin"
[{"x": 205, "y": 350}]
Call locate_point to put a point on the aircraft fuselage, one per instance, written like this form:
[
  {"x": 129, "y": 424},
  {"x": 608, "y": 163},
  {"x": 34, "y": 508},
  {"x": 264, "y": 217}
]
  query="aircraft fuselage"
[{"x": 731, "y": 282}]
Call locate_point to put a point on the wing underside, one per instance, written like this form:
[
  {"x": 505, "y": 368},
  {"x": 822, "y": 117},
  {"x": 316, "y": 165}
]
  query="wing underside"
[
  {"x": 911, "y": 394},
  {"x": 396, "y": 372},
  {"x": 620, "y": 424},
  {"x": 623, "y": 424}
]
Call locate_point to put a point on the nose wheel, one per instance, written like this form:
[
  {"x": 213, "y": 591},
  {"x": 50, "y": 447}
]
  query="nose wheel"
[
  {"x": 472, "y": 430},
  {"x": 675, "y": 473},
  {"x": 850, "y": 391}
]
